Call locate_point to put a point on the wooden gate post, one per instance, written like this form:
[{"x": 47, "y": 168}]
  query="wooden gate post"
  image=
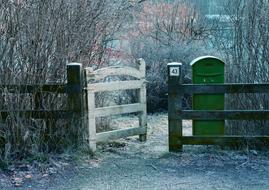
[
  {"x": 174, "y": 106},
  {"x": 75, "y": 96},
  {"x": 91, "y": 120},
  {"x": 143, "y": 100},
  {"x": 91, "y": 123}
]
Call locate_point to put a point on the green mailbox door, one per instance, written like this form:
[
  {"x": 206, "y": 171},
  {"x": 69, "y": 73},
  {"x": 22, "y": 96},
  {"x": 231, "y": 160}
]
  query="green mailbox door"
[{"x": 208, "y": 70}]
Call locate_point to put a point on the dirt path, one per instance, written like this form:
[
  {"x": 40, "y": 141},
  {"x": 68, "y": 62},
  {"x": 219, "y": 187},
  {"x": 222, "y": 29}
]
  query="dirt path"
[{"x": 129, "y": 164}]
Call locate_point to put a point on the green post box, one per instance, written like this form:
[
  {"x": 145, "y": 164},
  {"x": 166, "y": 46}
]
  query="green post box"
[{"x": 208, "y": 70}]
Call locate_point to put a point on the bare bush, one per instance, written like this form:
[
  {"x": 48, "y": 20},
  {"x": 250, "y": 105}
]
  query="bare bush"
[
  {"x": 166, "y": 32},
  {"x": 37, "y": 39},
  {"x": 244, "y": 44}
]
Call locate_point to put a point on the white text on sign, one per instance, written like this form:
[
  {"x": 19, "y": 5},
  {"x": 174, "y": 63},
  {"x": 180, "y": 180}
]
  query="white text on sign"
[{"x": 174, "y": 71}]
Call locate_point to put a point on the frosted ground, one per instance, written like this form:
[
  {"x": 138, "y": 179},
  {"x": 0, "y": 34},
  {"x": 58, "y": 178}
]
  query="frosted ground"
[{"x": 130, "y": 164}]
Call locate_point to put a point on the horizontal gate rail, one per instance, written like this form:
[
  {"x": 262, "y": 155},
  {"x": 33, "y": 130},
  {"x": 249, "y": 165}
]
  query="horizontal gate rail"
[
  {"x": 112, "y": 71},
  {"x": 121, "y": 133},
  {"x": 116, "y": 110},
  {"x": 117, "y": 85}
]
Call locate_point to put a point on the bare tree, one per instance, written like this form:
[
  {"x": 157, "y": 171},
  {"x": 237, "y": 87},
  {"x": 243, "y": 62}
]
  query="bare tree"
[
  {"x": 164, "y": 32},
  {"x": 244, "y": 45}
]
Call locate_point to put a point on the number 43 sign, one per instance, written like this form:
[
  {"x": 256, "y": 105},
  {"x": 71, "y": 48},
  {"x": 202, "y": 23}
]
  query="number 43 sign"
[{"x": 174, "y": 71}]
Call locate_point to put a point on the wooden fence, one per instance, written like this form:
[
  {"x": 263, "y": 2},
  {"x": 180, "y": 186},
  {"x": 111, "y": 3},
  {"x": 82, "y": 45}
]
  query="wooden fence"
[
  {"x": 73, "y": 88},
  {"x": 176, "y": 114},
  {"x": 139, "y": 107},
  {"x": 80, "y": 106}
]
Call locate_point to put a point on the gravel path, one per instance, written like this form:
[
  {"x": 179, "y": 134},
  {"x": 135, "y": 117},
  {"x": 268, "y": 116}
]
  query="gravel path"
[{"x": 129, "y": 164}]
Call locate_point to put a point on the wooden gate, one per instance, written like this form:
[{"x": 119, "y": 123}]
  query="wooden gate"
[{"x": 140, "y": 107}]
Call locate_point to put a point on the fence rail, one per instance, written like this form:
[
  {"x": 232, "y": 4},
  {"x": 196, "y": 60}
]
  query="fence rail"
[
  {"x": 37, "y": 114},
  {"x": 73, "y": 88},
  {"x": 176, "y": 114},
  {"x": 227, "y": 114},
  {"x": 223, "y": 88},
  {"x": 223, "y": 140},
  {"x": 33, "y": 88}
]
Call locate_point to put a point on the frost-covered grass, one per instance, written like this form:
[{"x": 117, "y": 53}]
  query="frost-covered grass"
[{"x": 130, "y": 164}]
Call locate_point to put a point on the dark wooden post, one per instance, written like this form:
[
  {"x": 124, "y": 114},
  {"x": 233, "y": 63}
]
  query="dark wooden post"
[
  {"x": 174, "y": 105},
  {"x": 75, "y": 95}
]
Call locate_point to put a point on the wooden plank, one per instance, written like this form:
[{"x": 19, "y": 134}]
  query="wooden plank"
[
  {"x": 223, "y": 140},
  {"x": 57, "y": 88},
  {"x": 227, "y": 114},
  {"x": 115, "y": 85},
  {"x": 122, "y": 133},
  {"x": 223, "y": 88},
  {"x": 120, "y": 109},
  {"x": 113, "y": 71},
  {"x": 41, "y": 114}
]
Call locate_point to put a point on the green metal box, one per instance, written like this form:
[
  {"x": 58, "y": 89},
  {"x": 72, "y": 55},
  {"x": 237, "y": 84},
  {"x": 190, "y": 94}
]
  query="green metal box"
[{"x": 208, "y": 70}]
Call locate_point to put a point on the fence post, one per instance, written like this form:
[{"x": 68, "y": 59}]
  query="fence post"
[
  {"x": 91, "y": 118},
  {"x": 143, "y": 100},
  {"x": 75, "y": 96},
  {"x": 174, "y": 105}
]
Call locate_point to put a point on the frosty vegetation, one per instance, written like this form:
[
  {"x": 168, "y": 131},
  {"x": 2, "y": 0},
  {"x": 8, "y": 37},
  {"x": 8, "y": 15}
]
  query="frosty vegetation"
[{"x": 39, "y": 37}]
